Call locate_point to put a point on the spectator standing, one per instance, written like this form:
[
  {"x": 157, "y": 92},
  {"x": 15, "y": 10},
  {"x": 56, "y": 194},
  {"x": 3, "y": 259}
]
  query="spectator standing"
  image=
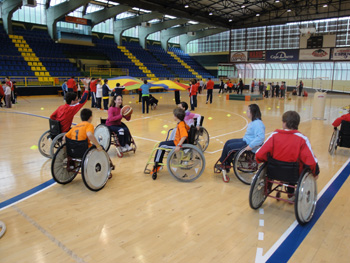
[
  {"x": 145, "y": 96},
  {"x": 64, "y": 89},
  {"x": 105, "y": 94},
  {"x": 93, "y": 84},
  {"x": 210, "y": 87},
  {"x": 71, "y": 84},
  {"x": 99, "y": 94}
]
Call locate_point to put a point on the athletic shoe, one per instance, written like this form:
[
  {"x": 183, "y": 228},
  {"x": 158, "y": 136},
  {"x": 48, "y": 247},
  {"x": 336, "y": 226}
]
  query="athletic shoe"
[
  {"x": 156, "y": 169},
  {"x": 128, "y": 147}
]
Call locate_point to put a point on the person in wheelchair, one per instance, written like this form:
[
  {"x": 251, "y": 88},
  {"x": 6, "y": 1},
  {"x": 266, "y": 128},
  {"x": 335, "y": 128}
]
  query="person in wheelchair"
[
  {"x": 115, "y": 124},
  {"x": 65, "y": 113},
  {"x": 84, "y": 130},
  {"x": 189, "y": 117},
  {"x": 180, "y": 137},
  {"x": 253, "y": 137},
  {"x": 289, "y": 145},
  {"x": 345, "y": 117}
]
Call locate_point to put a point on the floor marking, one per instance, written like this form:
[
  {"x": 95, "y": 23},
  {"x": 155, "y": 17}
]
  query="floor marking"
[
  {"x": 261, "y": 211},
  {"x": 142, "y": 138},
  {"x": 261, "y": 236},
  {"x": 261, "y": 222},
  {"x": 291, "y": 239}
]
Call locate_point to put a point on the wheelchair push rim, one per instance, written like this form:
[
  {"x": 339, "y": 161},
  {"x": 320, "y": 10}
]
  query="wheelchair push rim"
[
  {"x": 186, "y": 165},
  {"x": 63, "y": 170},
  {"x": 333, "y": 142},
  {"x": 56, "y": 143},
  {"x": 257, "y": 193},
  {"x": 245, "y": 166},
  {"x": 103, "y": 136},
  {"x": 305, "y": 198},
  {"x": 202, "y": 138},
  {"x": 44, "y": 144},
  {"x": 96, "y": 169}
]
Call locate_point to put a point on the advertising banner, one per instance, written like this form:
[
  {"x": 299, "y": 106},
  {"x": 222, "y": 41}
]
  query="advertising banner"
[
  {"x": 341, "y": 54},
  {"x": 239, "y": 56},
  {"x": 314, "y": 54},
  {"x": 282, "y": 55},
  {"x": 256, "y": 55}
]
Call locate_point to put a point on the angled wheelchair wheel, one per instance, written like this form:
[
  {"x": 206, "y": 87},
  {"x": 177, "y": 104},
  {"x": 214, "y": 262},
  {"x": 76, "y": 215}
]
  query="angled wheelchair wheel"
[
  {"x": 186, "y": 165},
  {"x": 44, "y": 144},
  {"x": 103, "y": 136},
  {"x": 333, "y": 142},
  {"x": 245, "y": 165},
  {"x": 63, "y": 169},
  {"x": 257, "y": 194},
  {"x": 202, "y": 138},
  {"x": 95, "y": 169},
  {"x": 305, "y": 198},
  {"x": 56, "y": 143}
]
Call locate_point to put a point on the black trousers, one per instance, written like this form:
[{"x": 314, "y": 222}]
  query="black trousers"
[
  {"x": 177, "y": 97},
  {"x": 145, "y": 102},
  {"x": 210, "y": 95}
]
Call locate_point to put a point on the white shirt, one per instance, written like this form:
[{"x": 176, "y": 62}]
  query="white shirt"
[
  {"x": 7, "y": 90},
  {"x": 98, "y": 91}
]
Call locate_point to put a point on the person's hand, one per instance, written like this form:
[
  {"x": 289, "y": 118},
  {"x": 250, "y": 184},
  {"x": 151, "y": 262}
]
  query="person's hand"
[
  {"x": 198, "y": 128},
  {"x": 99, "y": 148},
  {"x": 248, "y": 148},
  {"x": 177, "y": 149}
]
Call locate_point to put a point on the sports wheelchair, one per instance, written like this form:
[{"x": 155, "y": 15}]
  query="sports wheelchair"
[
  {"x": 202, "y": 136},
  {"x": 51, "y": 140},
  {"x": 284, "y": 178},
  {"x": 340, "y": 137},
  {"x": 186, "y": 165},
  {"x": 95, "y": 165},
  {"x": 105, "y": 138},
  {"x": 243, "y": 163}
]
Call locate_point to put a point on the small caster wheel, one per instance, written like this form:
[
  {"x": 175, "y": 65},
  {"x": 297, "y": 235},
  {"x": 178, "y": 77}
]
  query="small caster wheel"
[{"x": 154, "y": 176}]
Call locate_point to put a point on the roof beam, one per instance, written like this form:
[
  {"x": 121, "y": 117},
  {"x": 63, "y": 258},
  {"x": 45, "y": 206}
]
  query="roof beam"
[
  {"x": 8, "y": 7},
  {"x": 106, "y": 13}
]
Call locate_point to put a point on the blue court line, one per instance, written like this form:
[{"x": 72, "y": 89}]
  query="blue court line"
[
  {"x": 27, "y": 193},
  {"x": 285, "y": 251}
]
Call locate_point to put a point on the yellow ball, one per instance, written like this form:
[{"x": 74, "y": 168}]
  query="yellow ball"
[{"x": 42, "y": 108}]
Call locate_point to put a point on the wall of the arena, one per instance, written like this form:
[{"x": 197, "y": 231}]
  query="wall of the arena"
[{"x": 210, "y": 61}]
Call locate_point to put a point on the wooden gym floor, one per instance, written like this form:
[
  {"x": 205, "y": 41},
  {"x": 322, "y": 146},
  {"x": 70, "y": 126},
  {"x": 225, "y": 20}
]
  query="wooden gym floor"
[{"x": 136, "y": 219}]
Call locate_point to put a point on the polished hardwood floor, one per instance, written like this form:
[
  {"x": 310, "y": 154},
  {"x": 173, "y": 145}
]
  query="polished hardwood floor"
[{"x": 137, "y": 219}]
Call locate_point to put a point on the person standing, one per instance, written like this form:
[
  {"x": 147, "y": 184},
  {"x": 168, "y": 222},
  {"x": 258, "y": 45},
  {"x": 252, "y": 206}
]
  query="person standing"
[
  {"x": 105, "y": 94},
  {"x": 93, "y": 84},
  {"x": 71, "y": 84},
  {"x": 7, "y": 91},
  {"x": 240, "y": 86},
  {"x": 177, "y": 95},
  {"x": 277, "y": 90},
  {"x": 145, "y": 96},
  {"x": 10, "y": 84},
  {"x": 221, "y": 86},
  {"x": 193, "y": 92},
  {"x": 283, "y": 88},
  {"x": 261, "y": 87},
  {"x": 2, "y": 95},
  {"x": 210, "y": 87},
  {"x": 64, "y": 89},
  {"x": 272, "y": 89},
  {"x": 99, "y": 94},
  {"x": 301, "y": 86},
  {"x": 252, "y": 86}
]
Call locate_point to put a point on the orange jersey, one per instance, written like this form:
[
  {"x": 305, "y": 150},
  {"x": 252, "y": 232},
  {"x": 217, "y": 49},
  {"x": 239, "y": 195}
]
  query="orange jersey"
[
  {"x": 79, "y": 132},
  {"x": 210, "y": 84},
  {"x": 181, "y": 131}
]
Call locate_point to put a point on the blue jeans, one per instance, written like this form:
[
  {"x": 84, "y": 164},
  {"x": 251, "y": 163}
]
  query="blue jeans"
[{"x": 233, "y": 144}]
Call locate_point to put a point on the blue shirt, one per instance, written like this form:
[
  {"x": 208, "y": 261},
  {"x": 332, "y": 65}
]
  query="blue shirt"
[
  {"x": 145, "y": 89},
  {"x": 64, "y": 87},
  {"x": 255, "y": 134}
]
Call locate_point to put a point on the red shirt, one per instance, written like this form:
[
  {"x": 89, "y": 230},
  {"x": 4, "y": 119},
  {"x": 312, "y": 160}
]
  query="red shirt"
[
  {"x": 345, "y": 117},
  {"x": 1, "y": 91},
  {"x": 71, "y": 83},
  {"x": 115, "y": 116},
  {"x": 193, "y": 90},
  {"x": 210, "y": 84},
  {"x": 93, "y": 85},
  {"x": 65, "y": 113},
  {"x": 9, "y": 83}
]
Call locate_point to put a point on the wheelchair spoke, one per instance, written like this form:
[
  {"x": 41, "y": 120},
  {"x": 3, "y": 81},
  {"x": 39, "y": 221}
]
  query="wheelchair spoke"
[{"x": 307, "y": 197}]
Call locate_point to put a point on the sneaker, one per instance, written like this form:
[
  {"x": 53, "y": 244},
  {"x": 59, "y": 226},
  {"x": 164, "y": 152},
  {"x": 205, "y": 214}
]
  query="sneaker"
[
  {"x": 156, "y": 169},
  {"x": 123, "y": 149},
  {"x": 128, "y": 147},
  {"x": 291, "y": 197}
]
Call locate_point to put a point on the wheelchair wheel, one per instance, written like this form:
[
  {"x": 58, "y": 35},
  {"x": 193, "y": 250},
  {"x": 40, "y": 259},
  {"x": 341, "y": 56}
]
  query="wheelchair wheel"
[
  {"x": 95, "y": 169},
  {"x": 63, "y": 171},
  {"x": 333, "y": 142},
  {"x": 245, "y": 166},
  {"x": 257, "y": 189},
  {"x": 103, "y": 136},
  {"x": 305, "y": 198},
  {"x": 202, "y": 138},
  {"x": 44, "y": 144},
  {"x": 186, "y": 165},
  {"x": 56, "y": 143}
]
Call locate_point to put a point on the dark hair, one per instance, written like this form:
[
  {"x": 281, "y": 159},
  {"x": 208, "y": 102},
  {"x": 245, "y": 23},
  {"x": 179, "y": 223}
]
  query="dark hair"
[
  {"x": 112, "y": 104},
  {"x": 70, "y": 96},
  {"x": 292, "y": 119},
  {"x": 106, "y": 80},
  {"x": 255, "y": 112},
  {"x": 3, "y": 82},
  {"x": 184, "y": 105},
  {"x": 179, "y": 113},
  {"x": 85, "y": 114},
  {"x": 118, "y": 84},
  {"x": 145, "y": 81}
]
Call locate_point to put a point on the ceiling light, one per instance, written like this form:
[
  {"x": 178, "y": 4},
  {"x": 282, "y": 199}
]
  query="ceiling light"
[
  {"x": 243, "y": 6},
  {"x": 210, "y": 13},
  {"x": 289, "y": 10},
  {"x": 325, "y": 5},
  {"x": 230, "y": 20},
  {"x": 186, "y": 6},
  {"x": 257, "y": 14},
  {"x": 277, "y": 1}
]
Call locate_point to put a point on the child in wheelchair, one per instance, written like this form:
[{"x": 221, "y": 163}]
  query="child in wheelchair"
[
  {"x": 345, "y": 117},
  {"x": 153, "y": 102},
  {"x": 289, "y": 145},
  {"x": 115, "y": 124},
  {"x": 189, "y": 117},
  {"x": 180, "y": 137}
]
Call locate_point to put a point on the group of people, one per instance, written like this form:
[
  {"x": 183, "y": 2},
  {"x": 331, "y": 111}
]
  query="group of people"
[
  {"x": 230, "y": 87},
  {"x": 8, "y": 93}
]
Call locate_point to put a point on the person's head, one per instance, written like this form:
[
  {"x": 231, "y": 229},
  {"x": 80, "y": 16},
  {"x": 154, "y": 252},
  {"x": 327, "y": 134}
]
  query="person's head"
[
  {"x": 106, "y": 81},
  {"x": 71, "y": 98},
  {"x": 117, "y": 101},
  {"x": 291, "y": 120},
  {"x": 98, "y": 81},
  {"x": 145, "y": 81},
  {"x": 254, "y": 112},
  {"x": 209, "y": 78},
  {"x": 7, "y": 78},
  {"x": 72, "y": 77},
  {"x": 179, "y": 114},
  {"x": 14, "y": 82},
  {"x": 86, "y": 115},
  {"x": 93, "y": 78},
  {"x": 65, "y": 81},
  {"x": 118, "y": 84},
  {"x": 183, "y": 105}
]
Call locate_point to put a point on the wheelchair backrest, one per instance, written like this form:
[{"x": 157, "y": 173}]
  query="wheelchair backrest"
[
  {"x": 282, "y": 171},
  {"x": 191, "y": 135},
  {"x": 103, "y": 121},
  {"x": 200, "y": 121},
  {"x": 344, "y": 134},
  {"x": 76, "y": 149},
  {"x": 55, "y": 127}
]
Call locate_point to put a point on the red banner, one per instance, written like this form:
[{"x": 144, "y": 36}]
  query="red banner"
[{"x": 76, "y": 20}]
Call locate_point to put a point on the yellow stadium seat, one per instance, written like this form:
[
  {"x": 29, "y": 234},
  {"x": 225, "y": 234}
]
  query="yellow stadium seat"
[
  {"x": 37, "y": 74},
  {"x": 47, "y": 73},
  {"x": 42, "y": 73},
  {"x": 20, "y": 49},
  {"x": 41, "y": 79},
  {"x": 30, "y": 63},
  {"x": 32, "y": 68},
  {"x": 40, "y": 64},
  {"x": 35, "y": 64}
]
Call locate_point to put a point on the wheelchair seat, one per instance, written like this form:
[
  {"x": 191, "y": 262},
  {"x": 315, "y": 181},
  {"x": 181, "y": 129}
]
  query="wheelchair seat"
[
  {"x": 55, "y": 128},
  {"x": 76, "y": 149},
  {"x": 283, "y": 171},
  {"x": 344, "y": 134}
]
